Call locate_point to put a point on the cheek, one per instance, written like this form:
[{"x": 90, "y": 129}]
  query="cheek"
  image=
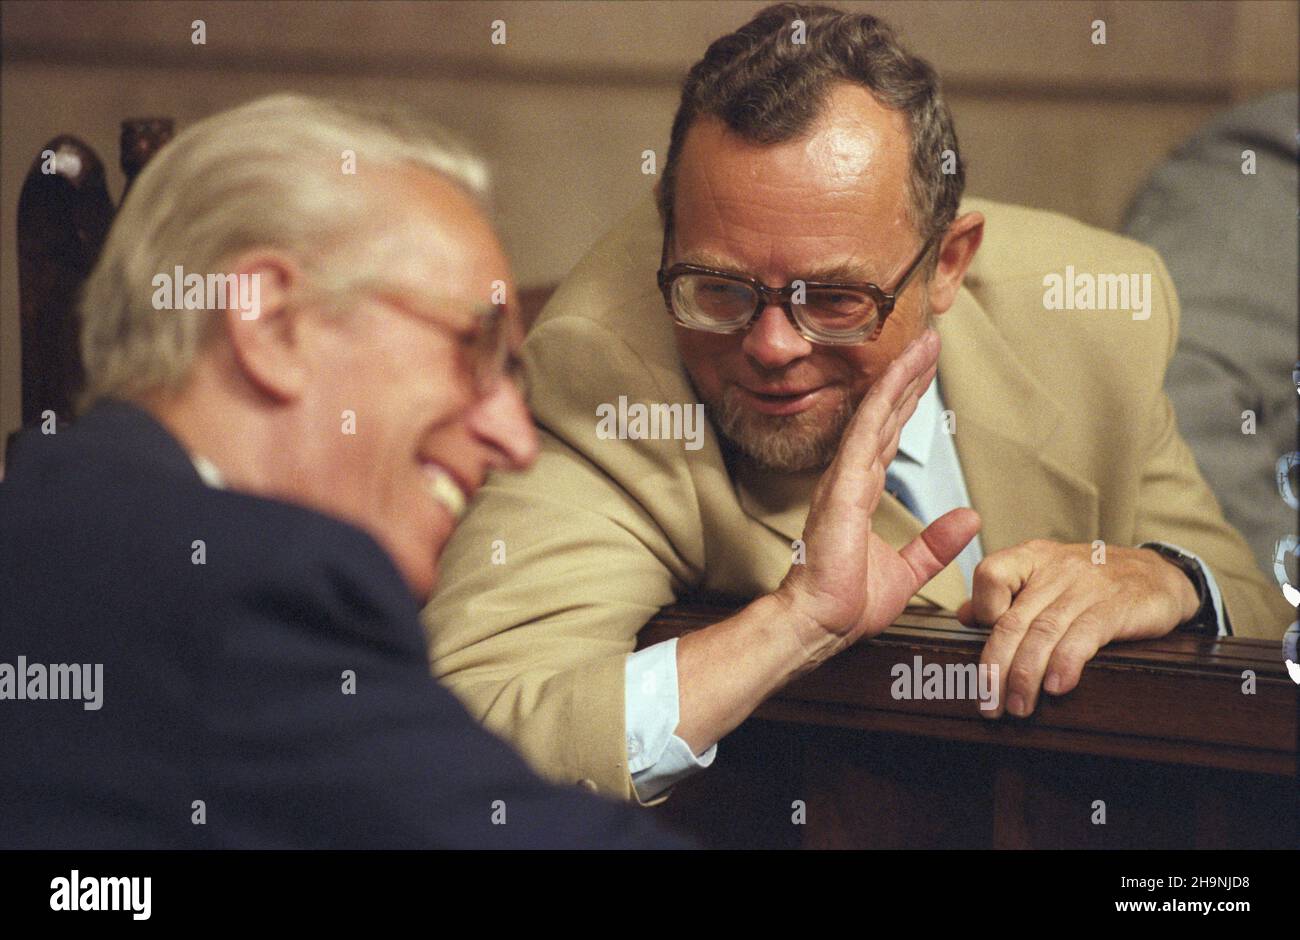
[
  {"x": 705, "y": 356},
  {"x": 397, "y": 407},
  {"x": 871, "y": 360},
  {"x": 376, "y": 431},
  {"x": 401, "y": 381},
  {"x": 862, "y": 365}
]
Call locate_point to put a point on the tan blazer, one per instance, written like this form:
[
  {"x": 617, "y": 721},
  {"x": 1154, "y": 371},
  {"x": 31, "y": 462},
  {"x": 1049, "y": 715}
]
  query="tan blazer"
[{"x": 1062, "y": 430}]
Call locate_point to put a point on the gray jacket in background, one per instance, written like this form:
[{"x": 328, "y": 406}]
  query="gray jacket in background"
[{"x": 1229, "y": 240}]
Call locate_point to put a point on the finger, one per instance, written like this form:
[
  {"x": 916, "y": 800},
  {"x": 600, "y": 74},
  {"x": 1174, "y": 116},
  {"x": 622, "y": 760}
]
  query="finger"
[
  {"x": 964, "y": 615},
  {"x": 881, "y": 411},
  {"x": 996, "y": 580},
  {"x": 1088, "y": 633},
  {"x": 898, "y": 418},
  {"x": 1045, "y": 632},
  {"x": 891, "y": 432},
  {"x": 861, "y": 442},
  {"x": 867, "y": 447},
  {"x": 879, "y": 433},
  {"x": 1007, "y": 633},
  {"x": 938, "y": 544}
]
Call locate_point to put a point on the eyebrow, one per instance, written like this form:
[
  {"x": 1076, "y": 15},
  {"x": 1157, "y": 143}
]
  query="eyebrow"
[
  {"x": 840, "y": 272},
  {"x": 435, "y": 310}
]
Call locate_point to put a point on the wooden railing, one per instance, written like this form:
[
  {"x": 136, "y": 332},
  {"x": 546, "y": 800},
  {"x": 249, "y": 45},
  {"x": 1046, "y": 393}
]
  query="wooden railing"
[{"x": 1181, "y": 741}]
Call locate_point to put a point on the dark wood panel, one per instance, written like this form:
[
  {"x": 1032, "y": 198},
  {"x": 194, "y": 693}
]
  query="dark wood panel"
[
  {"x": 1178, "y": 699},
  {"x": 1158, "y": 748}
]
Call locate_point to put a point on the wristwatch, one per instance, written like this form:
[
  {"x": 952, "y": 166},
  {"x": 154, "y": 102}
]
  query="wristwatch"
[{"x": 1204, "y": 621}]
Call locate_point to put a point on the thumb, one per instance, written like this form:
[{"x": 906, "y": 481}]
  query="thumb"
[{"x": 940, "y": 542}]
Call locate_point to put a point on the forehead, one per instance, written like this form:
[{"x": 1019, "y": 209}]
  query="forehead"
[
  {"x": 836, "y": 197},
  {"x": 436, "y": 238}
]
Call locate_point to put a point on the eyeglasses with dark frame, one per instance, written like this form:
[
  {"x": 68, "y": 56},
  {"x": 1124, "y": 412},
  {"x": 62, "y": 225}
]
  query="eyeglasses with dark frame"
[
  {"x": 486, "y": 344},
  {"x": 701, "y": 298}
]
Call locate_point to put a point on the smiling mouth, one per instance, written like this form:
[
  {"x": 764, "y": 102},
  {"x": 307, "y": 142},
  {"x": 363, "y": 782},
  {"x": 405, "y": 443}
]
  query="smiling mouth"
[
  {"x": 446, "y": 492},
  {"x": 780, "y": 396},
  {"x": 780, "y": 403}
]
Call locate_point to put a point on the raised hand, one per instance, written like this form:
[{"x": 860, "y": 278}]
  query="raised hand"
[{"x": 853, "y": 583}]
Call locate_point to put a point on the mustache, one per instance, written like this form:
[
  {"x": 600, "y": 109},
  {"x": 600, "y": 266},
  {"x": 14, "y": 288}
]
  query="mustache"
[{"x": 784, "y": 375}]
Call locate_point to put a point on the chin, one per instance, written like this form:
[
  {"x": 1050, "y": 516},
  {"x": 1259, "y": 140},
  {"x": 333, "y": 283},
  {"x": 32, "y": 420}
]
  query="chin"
[
  {"x": 416, "y": 564},
  {"x": 787, "y": 443},
  {"x": 421, "y": 582}
]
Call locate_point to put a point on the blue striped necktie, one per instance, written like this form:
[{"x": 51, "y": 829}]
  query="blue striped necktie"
[{"x": 900, "y": 491}]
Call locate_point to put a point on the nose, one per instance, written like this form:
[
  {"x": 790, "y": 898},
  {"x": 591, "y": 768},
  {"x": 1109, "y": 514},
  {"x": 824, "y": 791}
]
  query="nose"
[
  {"x": 501, "y": 421},
  {"x": 772, "y": 341}
]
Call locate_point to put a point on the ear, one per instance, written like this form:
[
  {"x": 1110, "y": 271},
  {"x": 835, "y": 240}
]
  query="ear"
[
  {"x": 657, "y": 192},
  {"x": 956, "y": 252},
  {"x": 265, "y": 330}
]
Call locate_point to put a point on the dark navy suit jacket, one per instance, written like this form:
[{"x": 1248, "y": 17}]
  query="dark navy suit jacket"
[{"x": 224, "y": 720}]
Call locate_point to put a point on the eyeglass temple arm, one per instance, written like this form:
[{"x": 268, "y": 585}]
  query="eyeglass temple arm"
[{"x": 915, "y": 266}]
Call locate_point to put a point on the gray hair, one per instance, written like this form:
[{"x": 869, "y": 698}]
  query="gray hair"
[
  {"x": 769, "y": 89},
  {"x": 267, "y": 174}
]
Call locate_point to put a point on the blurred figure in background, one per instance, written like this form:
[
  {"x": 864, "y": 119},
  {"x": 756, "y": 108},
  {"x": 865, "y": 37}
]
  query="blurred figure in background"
[{"x": 1224, "y": 221}]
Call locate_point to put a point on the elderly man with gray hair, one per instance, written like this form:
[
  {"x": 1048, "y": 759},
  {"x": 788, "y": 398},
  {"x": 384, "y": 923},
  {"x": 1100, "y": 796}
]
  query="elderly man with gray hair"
[{"x": 299, "y": 372}]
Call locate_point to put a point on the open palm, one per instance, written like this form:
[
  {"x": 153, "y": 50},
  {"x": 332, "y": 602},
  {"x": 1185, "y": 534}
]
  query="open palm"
[{"x": 854, "y": 583}]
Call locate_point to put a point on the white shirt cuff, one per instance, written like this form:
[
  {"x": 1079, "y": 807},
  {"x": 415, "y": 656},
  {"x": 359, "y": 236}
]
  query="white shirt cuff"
[{"x": 656, "y": 757}]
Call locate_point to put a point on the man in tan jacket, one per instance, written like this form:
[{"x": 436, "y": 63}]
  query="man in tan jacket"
[{"x": 807, "y": 232}]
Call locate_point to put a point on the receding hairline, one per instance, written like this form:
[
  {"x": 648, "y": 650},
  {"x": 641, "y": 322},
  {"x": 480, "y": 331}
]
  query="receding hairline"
[
  {"x": 842, "y": 269},
  {"x": 830, "y": 109},
  {"x": 246, "y": 179}
]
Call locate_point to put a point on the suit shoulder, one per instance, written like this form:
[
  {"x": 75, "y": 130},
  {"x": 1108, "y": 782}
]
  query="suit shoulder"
[
  {"x": 1027, "y": 251},
  {"x": 1020, "y": 241},
  {"x": 297, "y": 549},
  {"x": 615, "y": 279},
  {"x": 76, "y": 503}
]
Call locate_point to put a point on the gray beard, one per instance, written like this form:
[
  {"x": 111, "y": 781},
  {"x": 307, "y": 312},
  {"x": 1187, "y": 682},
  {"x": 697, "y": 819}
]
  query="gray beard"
[
  {"x": 784, "y": 443},
  {"x": 787, "y": 443}
]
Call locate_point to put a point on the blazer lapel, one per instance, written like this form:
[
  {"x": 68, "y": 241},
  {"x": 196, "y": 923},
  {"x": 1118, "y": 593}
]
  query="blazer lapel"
[{"x": 1018, "y": 478}]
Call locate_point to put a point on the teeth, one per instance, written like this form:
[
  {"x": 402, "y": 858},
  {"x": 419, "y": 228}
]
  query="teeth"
[{"x": 444, "y": 489}]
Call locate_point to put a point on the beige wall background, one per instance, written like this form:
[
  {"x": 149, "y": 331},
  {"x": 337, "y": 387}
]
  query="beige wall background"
[{"x": 564, "y": 109}]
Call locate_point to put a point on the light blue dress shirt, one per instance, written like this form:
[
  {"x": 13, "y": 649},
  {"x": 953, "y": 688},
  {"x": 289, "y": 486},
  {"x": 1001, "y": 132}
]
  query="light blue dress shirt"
[{"x": 927, "y": 464}]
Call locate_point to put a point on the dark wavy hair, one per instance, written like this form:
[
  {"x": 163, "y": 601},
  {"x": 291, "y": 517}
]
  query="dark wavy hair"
[{"x": 768, "y": 90}]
